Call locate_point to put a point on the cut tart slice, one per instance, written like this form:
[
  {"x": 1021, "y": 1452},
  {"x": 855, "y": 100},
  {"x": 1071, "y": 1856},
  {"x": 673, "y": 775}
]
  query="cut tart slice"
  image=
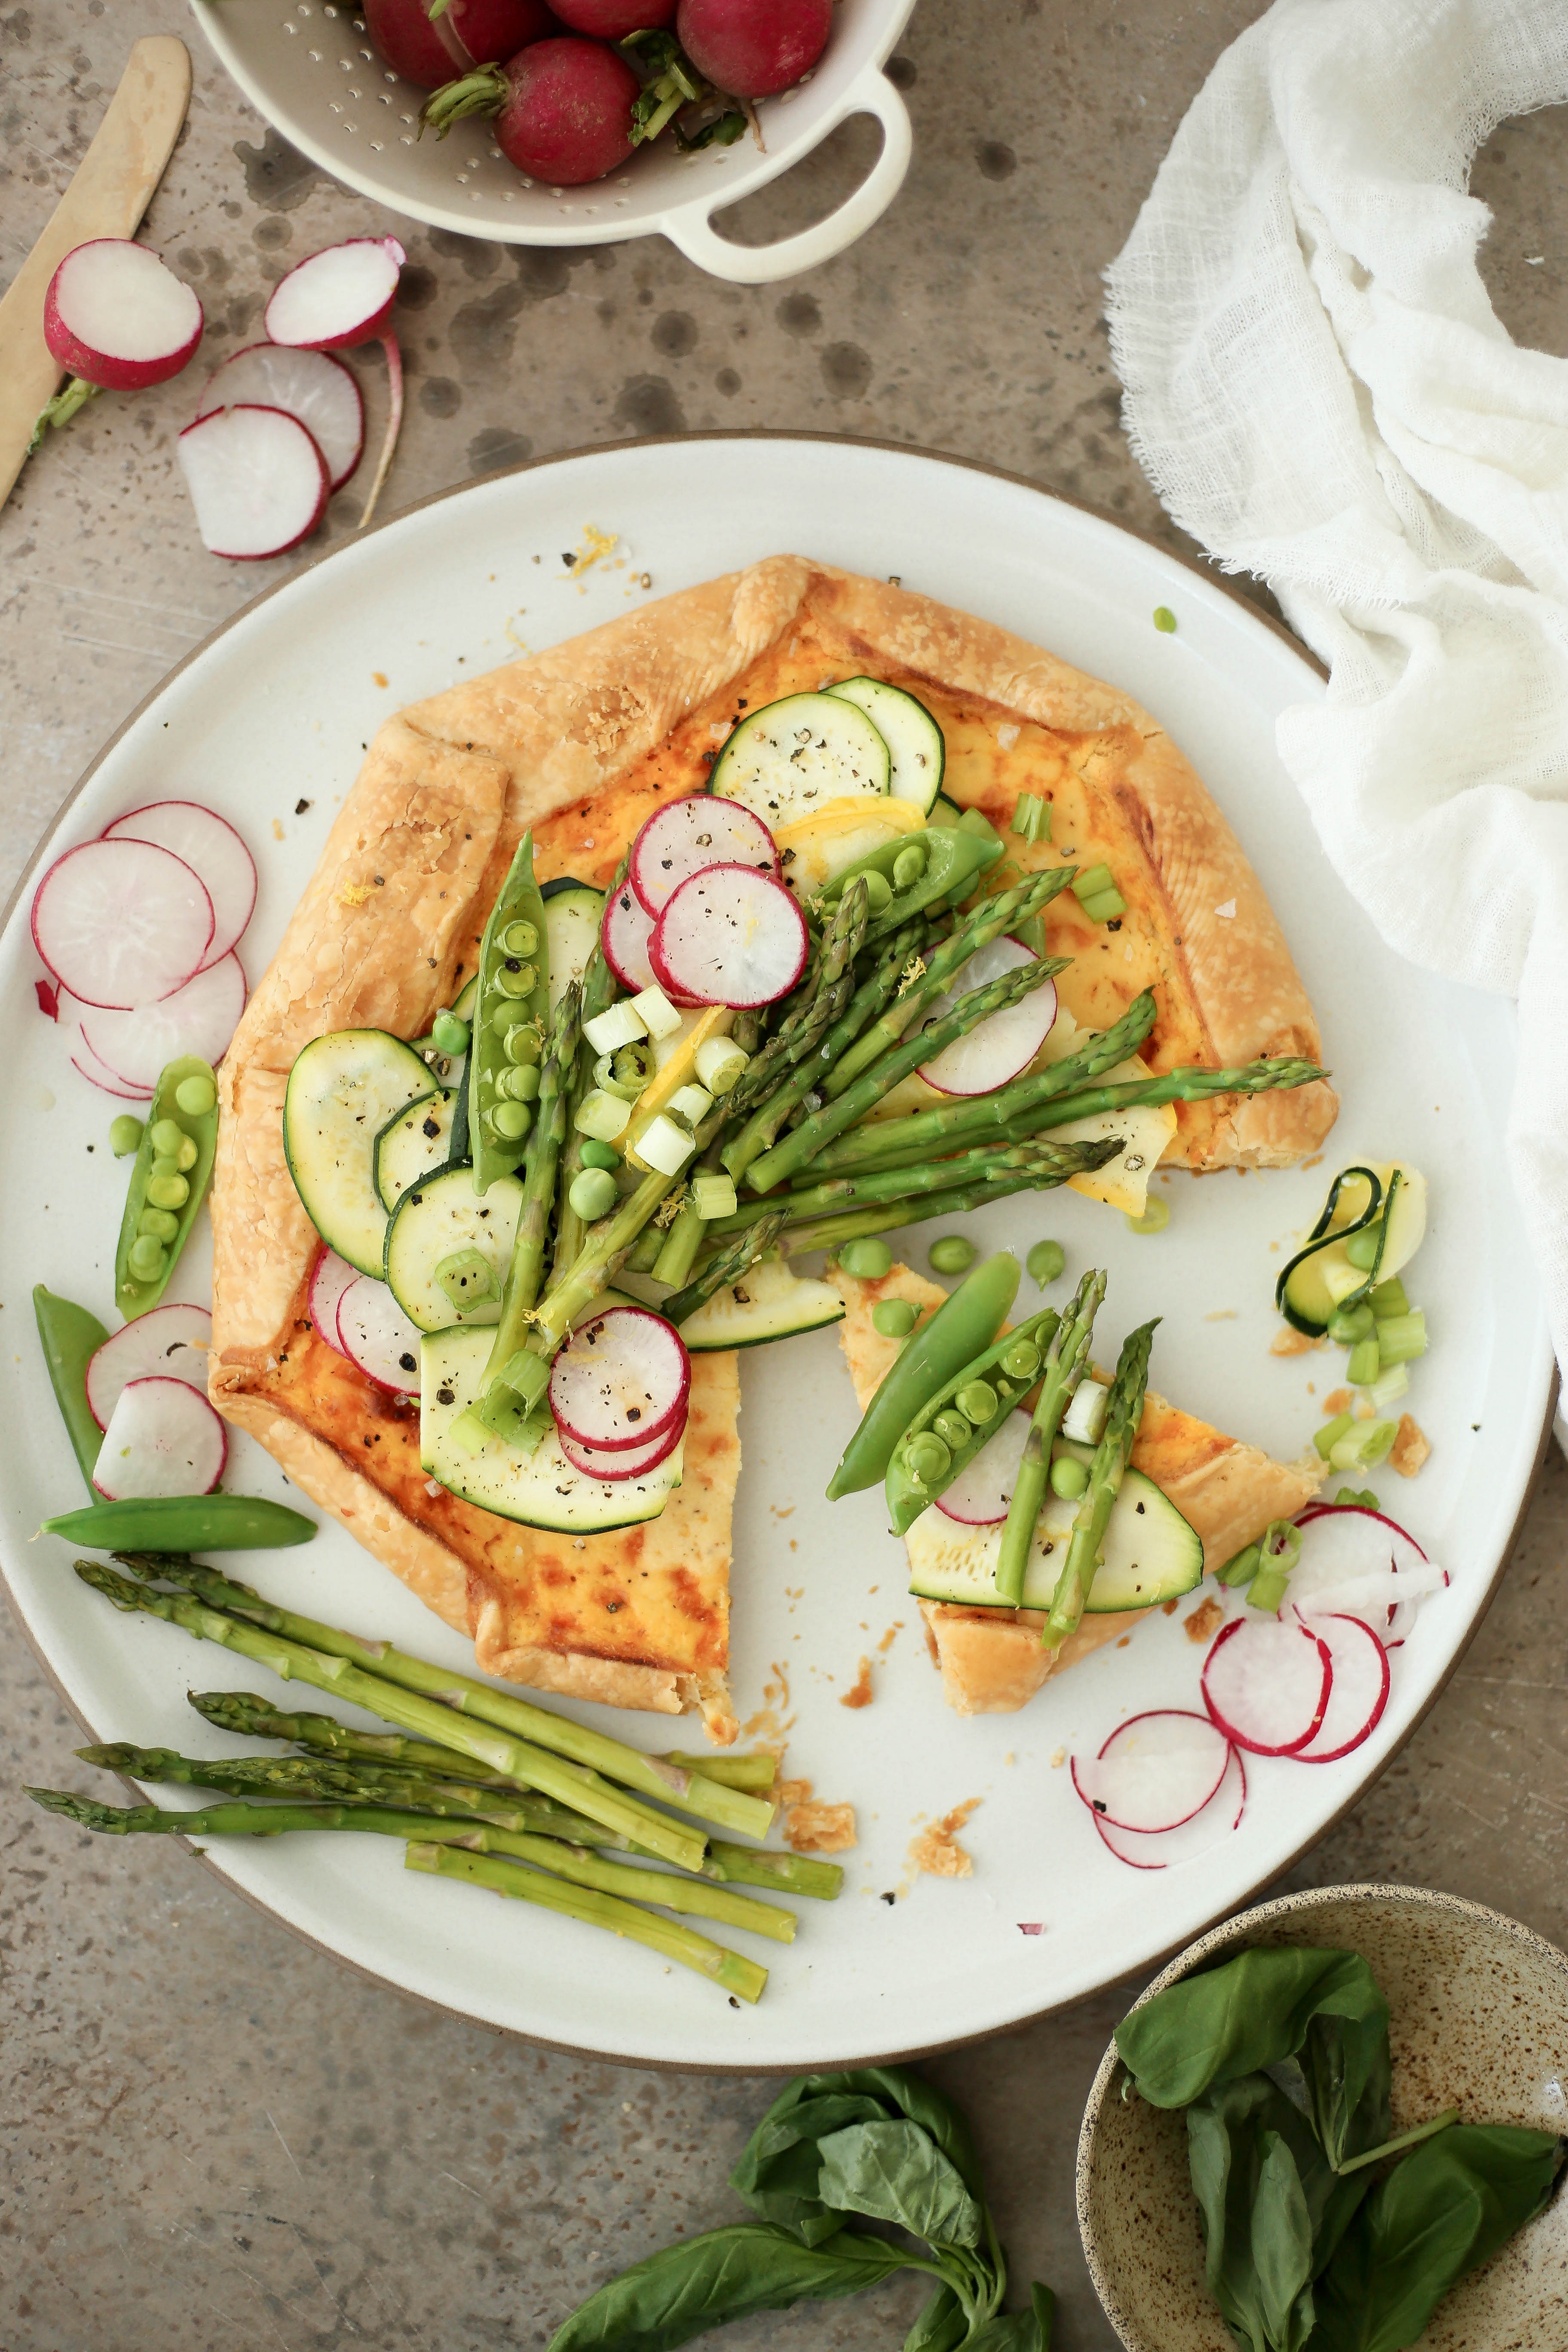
[{"x": 992, "y": 1660}]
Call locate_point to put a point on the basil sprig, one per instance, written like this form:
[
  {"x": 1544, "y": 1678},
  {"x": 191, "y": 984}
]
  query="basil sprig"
[
  {"x": 1280, "y": 2058},
  {"x": 875, "y": 2143}
]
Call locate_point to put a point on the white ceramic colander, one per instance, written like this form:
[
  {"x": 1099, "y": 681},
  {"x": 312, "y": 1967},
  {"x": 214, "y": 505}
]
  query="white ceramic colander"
[{"x": 308, "y": 67}]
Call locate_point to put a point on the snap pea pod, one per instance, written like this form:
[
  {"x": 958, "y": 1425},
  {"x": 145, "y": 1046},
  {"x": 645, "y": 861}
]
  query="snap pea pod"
[
  {"x": 960, "y": 1329},
  {"x": 527, "y": 1267},
  {"x": 70, "y": 1339},
  {"x": 513, "y": 995},
  {"x": 184, "y": 1522},
  {"x": 1066, "y": 1358},
  {"x": 600, "y": 989},
  {"x": 970, "y": 1406},
  {"x": 949, "y": 865},
  {"x": 169, "y": 1178}
]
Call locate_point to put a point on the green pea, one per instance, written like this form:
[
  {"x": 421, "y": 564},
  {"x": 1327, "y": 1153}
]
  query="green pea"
[
  {"x": 1165, "y": 620},
  {"x": 196, "y": 1096},
  {"x": 449, "y": 1035},
  {"x": 977, "y": 1401},
  {"x": 166, "y": 1137},
  {"x": 1022, "y": 1361},
  {"x": 1069, "y": 1478},
  {"x": 522, "y": 1044},
  {"x": 187, "y": 1155},
  {"x": 927, "y": 1459},
  {"x": 521, "y": 1085},
  {"x": 160, "y": 1223},
  {"x": 953, "y": 1253},
  {"x": 593, "y": 1194},
  {"x": 1350, "y": 1325},
  {"x": 1045, "y": 1263},
  {"x": 879, "y": 890},
  {"x": 511, "y": 1121},
  {"x": 868, "y": 1259},
  {"x": 893, "y": 1317},
  {"x": 145, "y": 1257},
  {"x": 595, "y": 1154},
  {"x": 505, "y": 1018},
  {"x": 124, "y": 1134},
  {"x": 909, "y": 866},
  {"x": 952, "y": 1429},
  {"x": 516, "y": 980},
  {"x": 1156, "y": 1216},
  {"x": 1362, "y": 1248},
  {"x": 165, "y": 1167},
  {"x": 168, "y": 1191},
  {"x": 519, "y": 939}
]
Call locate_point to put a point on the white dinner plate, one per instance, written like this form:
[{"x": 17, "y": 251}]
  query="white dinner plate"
[{"x": 275, "y": 712}]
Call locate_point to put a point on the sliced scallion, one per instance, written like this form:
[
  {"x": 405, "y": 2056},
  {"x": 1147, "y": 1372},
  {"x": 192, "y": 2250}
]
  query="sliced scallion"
[
  {"x": 1331, "y": 1434},
  {"x": 1363, "y": 1366},
  {"x": 1389, "y": 1298},
  {"x": 1401, "y": 1338},
  {"x": 1032, "y": 818}
]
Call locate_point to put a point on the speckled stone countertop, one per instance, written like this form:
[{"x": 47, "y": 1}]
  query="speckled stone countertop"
[{"x": 214, "y": 2133}]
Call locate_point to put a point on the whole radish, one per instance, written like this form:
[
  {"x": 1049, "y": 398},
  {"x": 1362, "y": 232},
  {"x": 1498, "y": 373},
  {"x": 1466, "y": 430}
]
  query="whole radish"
[
  {"x": 563, "y": 110},
  {"x": 119, "y": 321},
  {"x": 428, "y": 43},
  {"x": 754, "y": 47},
  {"x": 612, "y": 20},
  {"x": 336, "y": 299}
]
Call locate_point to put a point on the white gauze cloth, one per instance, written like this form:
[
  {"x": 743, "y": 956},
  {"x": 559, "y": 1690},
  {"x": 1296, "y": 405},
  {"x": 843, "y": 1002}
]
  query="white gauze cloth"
[{"x": 1318, "y": 390}]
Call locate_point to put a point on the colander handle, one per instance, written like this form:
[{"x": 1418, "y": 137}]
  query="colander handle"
[{"x": 690, "y": 226}]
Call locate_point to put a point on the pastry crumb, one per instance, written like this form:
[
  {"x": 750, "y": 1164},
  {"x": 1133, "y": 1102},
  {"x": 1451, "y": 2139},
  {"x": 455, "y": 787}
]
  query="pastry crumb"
[
  {"x": 890, "y": 1636},
  {"x": 355, "y": 894},
  {"x": 860, "y": 1692},
  {"x": 381, "y": 678},
  {"x": 1410, "y": 1448},
  {"x": 277, "y": 832},
  {"x": 1338, "y": 1400},
  {"x": 1220, "y": 1314},
  {"x": 936, "y": 1849},
  {"x": 817, "y": 1827},
  {"x": 1204, "y": 1622},
  {"x": 1289, "y": 1343},
  {"x": 1169, "y": 1608},
  {"x": 1058, "y": 1758}
]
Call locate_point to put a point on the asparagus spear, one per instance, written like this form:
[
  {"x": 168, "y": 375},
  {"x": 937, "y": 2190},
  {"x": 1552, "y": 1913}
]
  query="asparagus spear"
[
  {"x": 733, "y": 1260},
  {"x": 1123, "y": 1412},
  {"x": 257, "y": 1719},
  {"x": 1060, "y": 1374},
  {"x": 600, "y": 989},
  {"x": 852, "y": 1105},
  {"x": 758, "y": 1770},
  {"x": 538, "y": 1169},
  {"x": 463, "y": 1694},
  {"x": 1047, "y": 1163},
  {"x": 599, "y": 1893},
  {"x": 293, "y": 1660},
  {"x": 831, "y": 1233},
  {"x": 832, "y": 987}
]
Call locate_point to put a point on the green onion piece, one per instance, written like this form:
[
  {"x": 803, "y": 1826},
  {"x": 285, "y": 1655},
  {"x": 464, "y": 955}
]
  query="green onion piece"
[
  {"x": 1363, "y": 1495},
  {"x": 1032, "y": 818},
  {"x": 1280, "y": 1551},
  {"x": 1366, "y": 1449},
  {"x": 1389, "y": 1298},
  {"x": 1329, "y": 1436},
  {"x": 1363, "y": 1366},
  {"x": 1092, "y": 881},
  {"x": 1388, "y": 1388},
  {"x": 1241, "y": 1566},
  {"x": 1402, "y": 1337},
  {"x": 601, "y": 1116},
  {"x": 713, "y": 1196},
  {"x": 1103, "y": 906}
]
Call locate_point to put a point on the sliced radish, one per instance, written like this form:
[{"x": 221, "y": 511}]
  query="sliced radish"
[
  {"x": 1359, "y": 1692},
  {"x": 688, "y": 836},
  {"x": 1155, "y": 1771},
  {"x": 117, "y": 316},
  {"x": 997, "y": 1049},
  {"x": 730, "y": 936},
  {"x": 624, "y": 935},
  {"x": 259, "y": 482},
  {"x": 621, "y": 1380},
  {"x": 1266, "y": 1684},
  {"x": 374, "y": 1333},
  {"x": 331, "y": 1278},
  {"x": 1403, "y": 1547},
  {"x": 336, "y": 299},
  {"x": 85, "y": 1061},
  {"x": 215, "y": 853},
  {"x": 628, "y": 1462},
  {"x": 162, "y": 1438},
  {"x": 1355, "y": 1563},
  {"x": 311, "y": 385},
  {"x": 199, "y": 1018},
  {"x": 1160, "y": 1849},
  {"x": 168, "y": 1343},
  {"x": 979, "y": 1496},
  {"x": 121, "y": 923}
]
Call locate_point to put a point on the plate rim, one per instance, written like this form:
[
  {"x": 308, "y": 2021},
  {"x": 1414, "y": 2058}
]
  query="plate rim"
[{"x": 1226, "y": 587}]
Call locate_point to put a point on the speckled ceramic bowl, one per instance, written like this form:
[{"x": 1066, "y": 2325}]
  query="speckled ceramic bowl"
[{"x": 1480, "y": 2019}]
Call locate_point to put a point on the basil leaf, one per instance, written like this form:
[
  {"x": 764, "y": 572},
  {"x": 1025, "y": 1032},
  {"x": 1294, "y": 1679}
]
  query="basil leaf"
[
  {"x": 725, "y": 2275},
  {"x": 1019, "y": 2331},
  {"x": 1447, "y": 2207},
  {"x": 894, "y": 2172},
  {"x": 779, "y": 2170},
  {"x": 942, "y": 2326},
  {"x": 1282, "y": 2247}
]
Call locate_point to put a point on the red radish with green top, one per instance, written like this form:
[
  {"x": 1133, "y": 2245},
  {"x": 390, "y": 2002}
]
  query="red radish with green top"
[
  {"x": 257, "y": 481},
  {"x": 562, "y": 111},
  {"x": 427, "y": 42},
  {"x": 117, "y": 320},
  {"x": 754, "y": 47},
  {"x": 337, "y": 298},
  {"x": 612, "y": 20},
  {"x": 311, "y": 385}
]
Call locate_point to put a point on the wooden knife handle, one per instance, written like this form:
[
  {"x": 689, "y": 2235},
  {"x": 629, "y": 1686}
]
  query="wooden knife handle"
[{"x": 111, "y": 190}]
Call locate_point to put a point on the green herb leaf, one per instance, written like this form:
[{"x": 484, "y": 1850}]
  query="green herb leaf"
[
  {"x": 782, "y": 2186},
  {"x": 725, "y": 2275},
  {"x": 722, "y": 132},
  {"x": 942, "y": 2326},
  {"x": 894, "y": 2172},
  {"x": 1019, "y": 2331},
  {"x": 1282, "y": 2247}
]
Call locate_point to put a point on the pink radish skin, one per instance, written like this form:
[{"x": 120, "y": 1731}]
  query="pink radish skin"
[
  {"x": 121, "y": 923},
  {"x": 331, "y": 1278},
  {"x": 730, "y": 936},
  {"x": 168, "y": 1343},
  {"x": 686, "y": 836},
  {"x": 87, "y": 1064},
  {"x": 1155, "y": 1771},
  {"x": 429, "y": 50},
  {"x": 565, "y": 116},
  {"x": 1356, "y": 1563},
  {"x": 754, "y": 47},
  {"x": 979, "y": 1496},
  {"x": 215, "y": 853},
  {"x": 376, "y": 1336},
  {"x": 311, "y": 385},
  {"x": 620, "y": 1381},
  {"x": 623, "y": 934},
  {"x": 1359, "y": 1692},
  {"x": 612, "y": 20},
  {"x": 258, "y": 480},
  {"x": 1162, "y": 1849},
  {"x": 1001, "y": 1047},
  {"x": 335, "y": 299},
  {"x": 199, "y": 1018},
  {"x": 162, "y": 1438},
  {"x": 1267, "y": 1684},
  {"x": 117, "y": 317},
  {"x": 601, "y": 1462}
]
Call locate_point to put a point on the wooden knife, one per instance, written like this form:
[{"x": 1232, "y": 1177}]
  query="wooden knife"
[{"x": 111, "y": 190}]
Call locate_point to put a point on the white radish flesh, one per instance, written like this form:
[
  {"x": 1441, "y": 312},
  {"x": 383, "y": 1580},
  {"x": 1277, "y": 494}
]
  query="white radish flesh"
[
  {"x": 1359, "y": 1692},
  {"x": 730, "y": 936},
  {"x": 688, "y": 835},
  {"x": 86, "y": 1061},
  {"x": 624, "y": 935},
  {"x": 337, "y": 298},
  {"x": 980, "y": 1494},
  {"x": 199, "y": 1018},
  {"x": 215, "y": 853},
  {"x": 117, "y": 317},
  {"x": 1356, "y": 1563},
  {"x": 630, "y": 1462},
  {"x": 1001, "y": 1046},
  {"x": 1162, "y": 1849},
  {"x": 1155, "y": 1771},
  {"x": 621, "y": 1380},
  {"x": 170, "y": 1342},
  {"x": 311, "y": 385},
  {"x": 331, "y": 1278},
  {"x": 258, "y": 480},
  {"x": 374, "y": 1333},
  {"x": 121, "y": 923},
  {"x": 1267, "y": 1684},
  {"x": 162, "y": 1438}
]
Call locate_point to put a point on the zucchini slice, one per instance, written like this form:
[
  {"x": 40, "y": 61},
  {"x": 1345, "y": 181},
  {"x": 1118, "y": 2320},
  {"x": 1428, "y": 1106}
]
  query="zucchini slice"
[
  {"x": 1322, "y": 1277},
  {"x": 793, "y": 756},
  {"x": 572, "y": 913},
  {"x": 434, "y": 1220},
  {"x": 768, "y": 1303},
  {"x": 1151, "y": 1554},
  {"x": 343, "y": 1090},
  {"x": 414, "y": 1142},
  {"x": 541, "y": 1489},
  {"x": 916, "y": 744}
]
